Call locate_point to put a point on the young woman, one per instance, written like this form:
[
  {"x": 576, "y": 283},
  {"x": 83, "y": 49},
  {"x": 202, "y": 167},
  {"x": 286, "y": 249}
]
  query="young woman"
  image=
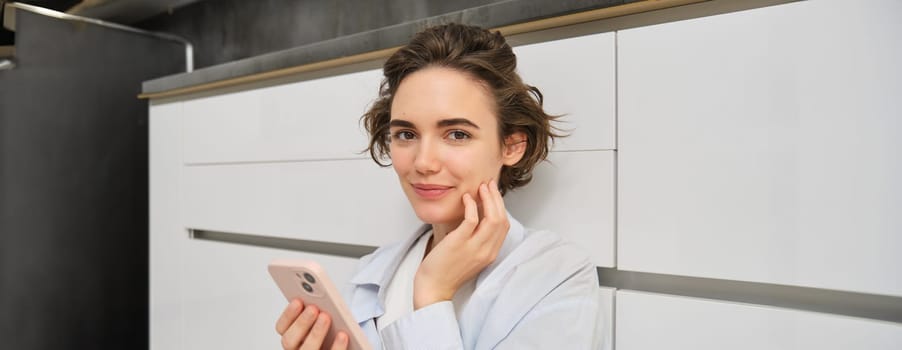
[{"x": 461, "y": 129}]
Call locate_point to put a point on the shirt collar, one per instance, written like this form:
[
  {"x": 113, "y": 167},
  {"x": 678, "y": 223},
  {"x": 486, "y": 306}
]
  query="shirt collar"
[{"x": 386, "y": 259}]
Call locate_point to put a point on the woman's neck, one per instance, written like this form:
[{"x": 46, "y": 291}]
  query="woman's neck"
[{"x": 439, "y": 231}]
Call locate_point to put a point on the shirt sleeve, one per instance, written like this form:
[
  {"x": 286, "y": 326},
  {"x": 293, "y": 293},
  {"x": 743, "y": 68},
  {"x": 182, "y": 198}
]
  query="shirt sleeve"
[
  {"x": 570, "y": 316},
  {"x": 433, "y": 327}
]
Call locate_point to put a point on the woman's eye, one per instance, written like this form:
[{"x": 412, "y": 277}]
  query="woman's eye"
[
  {"x": 403, "y": 135},
  {"x": 458, "y": 135}
]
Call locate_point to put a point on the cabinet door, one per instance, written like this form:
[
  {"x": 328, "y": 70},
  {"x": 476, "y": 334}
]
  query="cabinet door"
[{"x": 764, "y": 146}]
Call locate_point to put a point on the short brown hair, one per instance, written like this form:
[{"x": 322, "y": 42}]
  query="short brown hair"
[{"x": 488, "y": 58}]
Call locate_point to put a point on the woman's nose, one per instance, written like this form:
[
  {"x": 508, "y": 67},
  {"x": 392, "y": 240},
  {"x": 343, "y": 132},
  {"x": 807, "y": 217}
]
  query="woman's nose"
[{"x": 427, "y": 159}]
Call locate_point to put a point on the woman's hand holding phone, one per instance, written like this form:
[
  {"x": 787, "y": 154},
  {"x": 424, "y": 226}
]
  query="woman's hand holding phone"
[
  {"x": 316, "y": 316},
  {"x": 305, "y": 328},
  {"x": 464, "y": 252}
]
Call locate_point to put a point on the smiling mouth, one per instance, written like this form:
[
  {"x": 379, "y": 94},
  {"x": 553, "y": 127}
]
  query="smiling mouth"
[{"x": 431, "y": 191}]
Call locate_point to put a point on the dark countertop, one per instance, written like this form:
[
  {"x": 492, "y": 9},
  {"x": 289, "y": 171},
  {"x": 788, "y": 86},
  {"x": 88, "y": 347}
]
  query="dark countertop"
[{"x": 488, "y": 16}]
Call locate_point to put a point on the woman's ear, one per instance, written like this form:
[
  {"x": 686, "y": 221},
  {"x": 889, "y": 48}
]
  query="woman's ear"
[{"x": 514, "y": 148}]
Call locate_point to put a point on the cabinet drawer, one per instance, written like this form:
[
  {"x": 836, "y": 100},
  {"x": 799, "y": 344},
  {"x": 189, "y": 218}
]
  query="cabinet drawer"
[
  {"x": 308, "y": 120},
  {"x": 356, "y": 202}
]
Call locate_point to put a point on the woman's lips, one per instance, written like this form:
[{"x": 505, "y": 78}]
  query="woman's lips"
[{"x": 429, "y": 191}]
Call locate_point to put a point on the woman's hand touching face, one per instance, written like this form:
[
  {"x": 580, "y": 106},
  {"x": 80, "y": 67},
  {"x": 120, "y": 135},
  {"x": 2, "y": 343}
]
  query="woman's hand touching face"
[{"x": 464, "y": 252}]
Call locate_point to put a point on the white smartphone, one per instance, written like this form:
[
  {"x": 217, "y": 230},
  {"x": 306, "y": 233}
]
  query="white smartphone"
[{"x": 305, "y": 279}]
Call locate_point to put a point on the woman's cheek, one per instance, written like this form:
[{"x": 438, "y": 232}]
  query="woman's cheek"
[
  {"x": 401, "y": 159},
  {"x": 463, "y": 168}
]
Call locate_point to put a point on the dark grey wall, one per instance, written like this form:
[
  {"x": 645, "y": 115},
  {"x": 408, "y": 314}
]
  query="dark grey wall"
[
  {"x": 73, "y": 185},
  {"x": 227, "y": 30}
]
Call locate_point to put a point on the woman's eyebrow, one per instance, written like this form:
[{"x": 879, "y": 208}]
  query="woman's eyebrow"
[
  {"x": 401, "y": 123},
  {"x": 456, "y": 121}
]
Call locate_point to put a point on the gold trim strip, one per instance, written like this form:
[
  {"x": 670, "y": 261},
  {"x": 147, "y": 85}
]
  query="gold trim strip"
[{"x": 533, "y": 26}]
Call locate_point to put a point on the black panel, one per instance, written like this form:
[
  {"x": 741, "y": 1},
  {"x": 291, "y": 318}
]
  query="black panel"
[
  {"x": 7, "y": 37},
  {"x": 73, "y": 185}
]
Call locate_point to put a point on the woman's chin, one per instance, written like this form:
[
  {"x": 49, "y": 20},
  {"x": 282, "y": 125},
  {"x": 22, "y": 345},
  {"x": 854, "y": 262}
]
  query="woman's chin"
[{"x": 435, "y": 214}]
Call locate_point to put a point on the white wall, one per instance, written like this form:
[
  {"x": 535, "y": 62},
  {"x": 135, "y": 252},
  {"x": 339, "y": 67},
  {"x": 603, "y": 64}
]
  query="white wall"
[{"x": 756, "y": 146}]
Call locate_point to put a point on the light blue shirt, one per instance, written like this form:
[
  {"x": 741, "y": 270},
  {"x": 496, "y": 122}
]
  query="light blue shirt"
[{"x": 540, "y": 293}]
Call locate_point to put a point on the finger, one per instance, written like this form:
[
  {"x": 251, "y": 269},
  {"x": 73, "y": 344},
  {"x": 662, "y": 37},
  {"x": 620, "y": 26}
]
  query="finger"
[
  {"x": 493, "y": 222},
  {"x": 496, "y": 225},
  {"x": 500, "y": 212},
  {"x": 341, "y": 341},
  {"x": 471, "y": 216},
  {"x": 499, "y": 199},
  {"x": 300, "y": 328},
  {"x": 488, "y": 202},
  {"x": 314, "y": 340},
  {"x": 289, "y": 315}
]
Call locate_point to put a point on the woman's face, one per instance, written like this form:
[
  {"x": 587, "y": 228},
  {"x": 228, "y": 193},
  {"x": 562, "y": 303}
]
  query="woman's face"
[{"x": 444, "y": 142}]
